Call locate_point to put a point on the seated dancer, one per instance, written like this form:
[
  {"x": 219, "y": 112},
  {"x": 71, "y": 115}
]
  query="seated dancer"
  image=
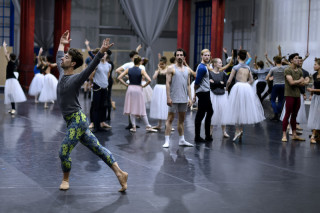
[
  {"x": 244, "y": 105},
  {"x": 78, "y": 130}
]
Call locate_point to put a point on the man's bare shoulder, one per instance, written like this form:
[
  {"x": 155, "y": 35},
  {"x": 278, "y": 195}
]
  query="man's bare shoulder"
[{"x": 170, "y": 69}]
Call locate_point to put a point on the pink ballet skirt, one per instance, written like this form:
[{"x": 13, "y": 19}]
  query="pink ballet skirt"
[{"x": 134, "y": 103}]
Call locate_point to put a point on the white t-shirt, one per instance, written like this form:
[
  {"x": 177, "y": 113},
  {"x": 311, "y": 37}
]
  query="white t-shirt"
[
  {"x": 130, "y": 65},
  {"x": 101, "y": 75}
]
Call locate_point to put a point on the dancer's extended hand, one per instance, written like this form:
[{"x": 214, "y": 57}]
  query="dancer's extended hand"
[
  {"x": 65, "y": 38},
  {"x": 105, "y": 45}
]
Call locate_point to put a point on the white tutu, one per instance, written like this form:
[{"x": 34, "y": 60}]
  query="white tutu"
[
  {"x": 301, "y": 116},
  {"x": 158, "y": 106},
  {"x": 314, "y": 112},
  {"x": 49, "y": 90},
  {"x": 254, "y": 87},
  {"x": 244, "y": 105},
  {"x": 147, "y": 94},
  {"x": 192, "y": 92},
  {"x": 13, "y": 92},
  {"x": 219, "y": 106},
  {"x": 36, "y": 84},
  {"x": 16, "y": 74}
]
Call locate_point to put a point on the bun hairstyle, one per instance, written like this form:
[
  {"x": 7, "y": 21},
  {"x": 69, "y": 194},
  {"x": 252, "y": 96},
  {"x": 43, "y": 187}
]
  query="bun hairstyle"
[
  {"x": 145, "y": 61},
  {"x": 136, "y": 59},
  {"x": 317, "y": 60}
]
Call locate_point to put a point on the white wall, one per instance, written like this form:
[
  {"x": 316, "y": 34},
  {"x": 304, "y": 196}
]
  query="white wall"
[
  {"x": 276, "y": 22},
  {"x": 286, "y": 23}
]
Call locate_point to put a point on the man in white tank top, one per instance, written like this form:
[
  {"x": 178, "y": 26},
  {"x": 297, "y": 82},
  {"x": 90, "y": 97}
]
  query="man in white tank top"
[{"x": 178, "y": 92}]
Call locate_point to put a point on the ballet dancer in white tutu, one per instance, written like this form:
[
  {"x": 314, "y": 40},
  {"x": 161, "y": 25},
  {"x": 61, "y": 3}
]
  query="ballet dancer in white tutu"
[
  {"x": 13, "y": 92},
  {"x": 49, "y": 90},
  {"x": 147, "y": 91},
  {"x": 38, "y": 79},
  {"x": 244, "y": 105},
  {"x": 158, "y": 106},
  {"x": 218, "y": 95},
  {"x": 314, "y": 118}
]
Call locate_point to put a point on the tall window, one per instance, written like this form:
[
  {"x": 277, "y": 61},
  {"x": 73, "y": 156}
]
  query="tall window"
[
  {"x": 7, "y": 22},
  {"x": 202, "y": 29},
  {"x": 241, "y": 37}
]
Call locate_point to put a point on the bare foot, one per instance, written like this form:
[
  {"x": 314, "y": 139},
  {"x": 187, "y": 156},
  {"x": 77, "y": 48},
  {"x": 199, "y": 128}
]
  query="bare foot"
[
  {"x": 123, "y": 181},
  {"x": 64, "y": 185}
]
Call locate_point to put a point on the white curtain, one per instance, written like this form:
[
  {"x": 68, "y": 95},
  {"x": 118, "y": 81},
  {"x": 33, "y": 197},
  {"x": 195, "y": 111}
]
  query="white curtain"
[{"x": 148, "y": 18}]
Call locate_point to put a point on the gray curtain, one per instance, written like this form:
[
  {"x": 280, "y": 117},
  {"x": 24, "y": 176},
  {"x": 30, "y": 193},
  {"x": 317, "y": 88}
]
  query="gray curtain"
[
  {"x": 44, "y": 24},
  {"x": 148, "y": 18}
]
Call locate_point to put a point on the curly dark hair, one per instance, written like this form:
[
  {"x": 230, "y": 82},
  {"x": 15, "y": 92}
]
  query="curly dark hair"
[{"x": 76, "y": 56}]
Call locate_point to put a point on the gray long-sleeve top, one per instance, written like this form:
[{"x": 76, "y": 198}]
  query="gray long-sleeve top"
[{"x": 69, "y": 85}]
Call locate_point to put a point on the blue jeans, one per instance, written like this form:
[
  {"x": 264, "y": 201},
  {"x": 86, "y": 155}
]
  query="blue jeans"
[{"x": 277, "y": 91}]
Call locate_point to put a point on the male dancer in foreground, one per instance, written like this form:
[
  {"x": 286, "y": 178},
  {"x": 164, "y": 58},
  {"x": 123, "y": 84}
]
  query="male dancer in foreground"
[{"x": 78, "y": 129}]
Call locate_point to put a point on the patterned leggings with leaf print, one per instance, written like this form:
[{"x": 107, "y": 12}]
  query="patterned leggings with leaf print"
[{"x": 78, "y": 130}]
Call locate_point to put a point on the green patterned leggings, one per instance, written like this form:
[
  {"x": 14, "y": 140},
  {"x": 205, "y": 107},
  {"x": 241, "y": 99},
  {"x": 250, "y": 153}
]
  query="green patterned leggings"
[{"x": 78, "y": 130}]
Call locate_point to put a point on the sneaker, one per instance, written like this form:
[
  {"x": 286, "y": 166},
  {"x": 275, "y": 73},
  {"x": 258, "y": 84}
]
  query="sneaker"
[
  {"x": 185, "y": 143},
  {"x": 166, "y": 144}
]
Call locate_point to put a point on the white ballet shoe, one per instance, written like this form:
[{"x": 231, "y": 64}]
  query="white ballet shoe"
[
  {"x": 185, "y": 143},
  {"x": 237, "y": 135},
  {"x": 149, "y": 129},
  {"x": 225, "y": 134}
]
